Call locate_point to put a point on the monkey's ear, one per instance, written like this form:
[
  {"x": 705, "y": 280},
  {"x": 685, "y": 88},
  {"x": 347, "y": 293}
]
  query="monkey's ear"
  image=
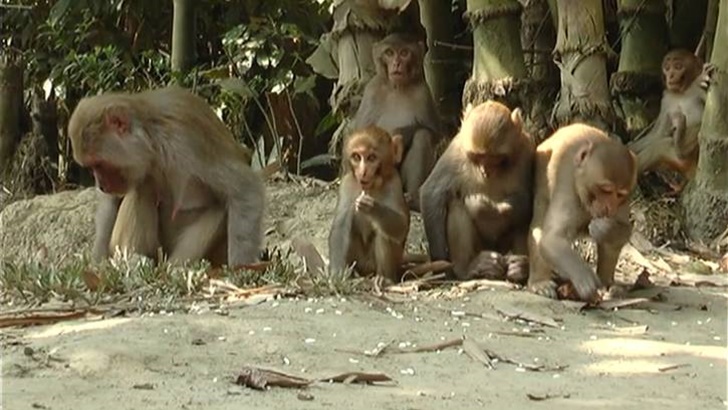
[
  {"x": 397, "y": 148},
  {"x": 517, "y": 118},
  {"x": 116, "y": 117},
  {"x": 583, "y": 153}
]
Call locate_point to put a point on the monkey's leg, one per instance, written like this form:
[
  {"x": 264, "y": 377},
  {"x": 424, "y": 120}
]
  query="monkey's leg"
[
  {"x": 388, "y": 255},
  {"x": 540, "y": 275},
  {"x": 416, "y": 166},
  {"x": 462, "y": 238},
  {"x": 196, "y": 239},
  {"x": 137, "y": 223}
]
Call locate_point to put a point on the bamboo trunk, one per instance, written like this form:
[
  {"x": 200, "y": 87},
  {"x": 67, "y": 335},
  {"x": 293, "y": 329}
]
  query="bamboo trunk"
[
  {"x": 637, "y": 84},
  {"x": 183, "y": 35},
  {"x": 499, "y": 69},
  {"x": 11, "y": 106},
  {"x": 581, "y": 54}
]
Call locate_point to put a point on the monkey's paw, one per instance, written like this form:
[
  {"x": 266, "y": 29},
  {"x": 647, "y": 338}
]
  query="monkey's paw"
[
  {"x": 487, "y": 265},
  {"x": 708, "y": 75},
  {"x": 364, "y": 203},
  {"x": 517, "y": 269},
  {"x": 545, "y": 288}
]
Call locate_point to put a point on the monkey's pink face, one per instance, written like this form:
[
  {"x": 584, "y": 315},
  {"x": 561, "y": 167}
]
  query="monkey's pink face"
[
  {"x": 399, "y": 62},
  {"x": 109, "y": 178}
]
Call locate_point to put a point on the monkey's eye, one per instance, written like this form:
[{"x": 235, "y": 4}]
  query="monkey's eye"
[
  {"x": 356, "y": 157},
  {"x": 404, "y": 53},
  {"x": 389, "y": 52},
  {"x": 678, "y": 66},
  {"x": 371, "y": 158}
]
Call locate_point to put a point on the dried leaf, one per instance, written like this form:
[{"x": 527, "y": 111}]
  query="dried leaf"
[
  {"x": 673, "y": 367},
  {"x": 311, "y": 257},
  {"x": 515, "y": 313},
  {"x": 358, "y": 377},
  {"x": 91, "y": 279},
  {"x": 724, "y": 263},
  {"x": 433, "y": 348},
  {"x": 43, "y": 318},
  {"x": 477, "y": 353},
  {"x": 614, "y": 304},
  {"x": 643, "y": 281},
  {"x": 260, "y": 379}
]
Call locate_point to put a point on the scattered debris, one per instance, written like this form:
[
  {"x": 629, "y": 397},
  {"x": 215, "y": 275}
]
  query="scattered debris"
[
  {"x": 632, "y": 330},
  {"x": 416, "y": 285},
  {"x": 260, "y": 379},
  {"x": 432, "y": 348},
  {"x": 477, "y": 354},
  {"x": 547, "y": 396},
  {"x": 304, "y": 396},
  {"x": 312, "y": 259},
  {"x": 46, "y": 317},
  {"x": 673, "y": 367},
  {"x": 143, "y": 386},
  {"x": 511, "y": 312}
]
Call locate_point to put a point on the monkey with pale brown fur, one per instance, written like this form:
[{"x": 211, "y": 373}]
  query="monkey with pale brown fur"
[
  {"x": 582, "y": 187},
  {"x": 398, "y": 100},
  {"x": 672, "y": 142},
  {"x": 478, "y": 196},
  {"x": 372, "y": 220},
  {"x": 172, "y": 176}
]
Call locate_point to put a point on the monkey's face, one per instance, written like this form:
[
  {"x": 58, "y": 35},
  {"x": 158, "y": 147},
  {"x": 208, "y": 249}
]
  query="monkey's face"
[
  {"x": 601, "y": 192},
  {"x": 366, "y": 163},
  {"x": 678, "y": 72},
  {"x": 490, "y": 164},
  {"x": 399, "y": 62},
  {"x": 117, "y": 156}
]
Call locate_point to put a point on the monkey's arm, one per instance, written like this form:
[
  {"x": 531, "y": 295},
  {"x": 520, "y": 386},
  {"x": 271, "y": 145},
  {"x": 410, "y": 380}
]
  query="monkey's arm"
[
  {"x": 368, "y": 111},
  {"x": 434, "y": 196},
  {"x": 559, "y": 230},
  {"x": 245, "y": 204},
  {"x": 340, "y": 234},
  {"x": 106, "y": 212},
  {"x": 388, "y": 218}
]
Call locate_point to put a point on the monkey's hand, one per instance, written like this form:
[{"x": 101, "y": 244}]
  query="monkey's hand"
[
  {"x": 365, "y": 203},
  {"x": 707, "y": 75},
  {"x": 481, "y": 205}
]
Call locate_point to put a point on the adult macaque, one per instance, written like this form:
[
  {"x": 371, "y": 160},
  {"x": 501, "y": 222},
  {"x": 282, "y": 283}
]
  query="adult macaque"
[
  {"x": 672, "y": 142},
  {"x": 478, "y": 196},
  {"x": 582, "y": 187},
  {"x": 172, "y": 177},
  {"x": 398, "y": 100},
  {"x": 372, "y": 219}
]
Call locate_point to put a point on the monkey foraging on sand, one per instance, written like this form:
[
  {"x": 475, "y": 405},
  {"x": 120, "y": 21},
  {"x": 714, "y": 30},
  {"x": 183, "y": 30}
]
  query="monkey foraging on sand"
[{"x": 172, "y": 176}]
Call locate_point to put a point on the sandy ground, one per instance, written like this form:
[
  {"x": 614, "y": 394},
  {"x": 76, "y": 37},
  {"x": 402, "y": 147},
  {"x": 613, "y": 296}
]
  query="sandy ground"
[{"x": 656, "y": 355}]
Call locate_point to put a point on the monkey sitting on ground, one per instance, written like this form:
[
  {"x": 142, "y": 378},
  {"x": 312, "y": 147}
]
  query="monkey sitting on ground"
[
  {"x": 672, "y": 142},
  {"x": 478, "y": 196},
  {"x": 372, "y": 219},
  {"x": 582, "y": 187},
  {"x": 398, "y": 100},
  {"x": 172, "y": 176}
]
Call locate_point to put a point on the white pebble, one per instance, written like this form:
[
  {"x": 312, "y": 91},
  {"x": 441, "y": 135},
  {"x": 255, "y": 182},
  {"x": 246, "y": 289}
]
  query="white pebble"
[
  {"x": 308, "y": 310},
  {"x": 267, "y": 329},
  {"x": 408, "y": 371},
  {"x": 310, "y": 340},
  {"x": 252, "y": 332},
  {"x": 338, "y": 312},
  {"x": 319, "y": 311},
  {"x": 352, "y": 360}
]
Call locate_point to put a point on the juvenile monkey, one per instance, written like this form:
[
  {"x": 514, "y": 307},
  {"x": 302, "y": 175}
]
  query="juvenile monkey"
[
  {"x": 673, "y": 140},
  {"x": 582, "y": 187},
  {"x": 372, "y": 219},
  {"x": 172, "y": 176},
  {"x": 398, "y": 100},
  {"x": 478, "y": 196}
]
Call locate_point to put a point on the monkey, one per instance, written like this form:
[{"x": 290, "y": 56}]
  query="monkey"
[
  {"x": 371, "y": 221},
  {"x": 672, "y": 142},
  {"x": 478, "y": 195},
  {"x": 171, "y": 176},
  {"x": 399, "y": 100},
  {"x": 583, "y": 180}
]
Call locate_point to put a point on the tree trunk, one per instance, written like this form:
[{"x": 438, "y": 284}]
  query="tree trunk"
[
  {"x": 704, "y": 199},
  {"x": 499, "y": 69},
  {"x": 686, "y": 22},
  {"x": 44, "y": 116},
  {"x": 638, "y": 84},
  {"x": 711, "y": 19},
  {"x": 581, "y": 54},
  {"x": 440, "y": 63},
  {"x": 11, "y": 106},
  {"x": 183, "y": 36},
  {"x": 538, "y": 37}
]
